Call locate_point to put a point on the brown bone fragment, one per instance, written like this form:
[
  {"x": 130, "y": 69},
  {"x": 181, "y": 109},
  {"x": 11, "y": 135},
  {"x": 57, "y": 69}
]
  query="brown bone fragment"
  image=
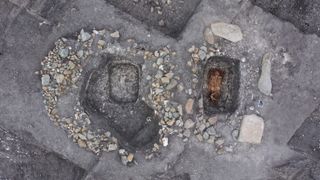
[{"x": 215, "y": 78}]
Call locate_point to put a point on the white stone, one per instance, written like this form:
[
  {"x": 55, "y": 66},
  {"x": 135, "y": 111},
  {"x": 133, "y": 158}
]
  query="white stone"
[
  {"x": 173, "y": 83},
  {"x": 101, "y": 42},
  {"x": 84, "y": 36},
  {"x": 130, "y": 157},
  {"x": 80, "y": 53},
  {"x": 45, "y": 80},
  {"x": 159, "y": 61},
  {"x": 63, "y": 53},
  {"x": 264, "y": 83},
  {"x": 115, "y": 34},
  {"x": 189, "y": 106},
  {"x": 71, "y": 65},
  {"x": 112, "y": 147},
  {"x": 251, "y": 130},
  {"x": 188, "y": 124},
  {"x": 219, "y": 142},
  {"x": 213, "y": 120},
  {"x": 192, "y": 49},
  {"x": 165, "y": 80},
  {"x": 227, "y": 31},
  {"x": 59, "y": 78},
  {"x": 165, "y": 141},
  {"x": 202, "y": 127},
  {"x": 156, "y": 54},
  {"x": 82, "y": 143},
  {"x": 169, "y": 75}
]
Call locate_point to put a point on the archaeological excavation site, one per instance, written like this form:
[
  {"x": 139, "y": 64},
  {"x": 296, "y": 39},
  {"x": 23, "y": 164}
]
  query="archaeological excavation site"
[{"x": 160, "y": 90}]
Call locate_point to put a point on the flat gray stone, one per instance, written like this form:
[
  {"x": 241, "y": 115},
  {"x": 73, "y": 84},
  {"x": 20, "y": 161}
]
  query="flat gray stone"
[
  {"x": 227, "y": 31},
  {"x": 173, "y": 83},
  {"x": 45, "y": 80},
  {"x": 188, "y": 124},
  {"x": 251, "y": 130},
  {"x": 189, "y": 106},
  {"x": 115, "y": 34},
  {"x": 84, "y": 36},
  {"x": 63, "y": 53}
]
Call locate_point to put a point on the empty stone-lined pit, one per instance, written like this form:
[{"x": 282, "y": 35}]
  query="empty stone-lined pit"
[
  {"x": 169, "y": 18},
  {"x": 221, "y": 85},
  {"x": 111, "y": 98},
  {"x": 124, "y": 82}
]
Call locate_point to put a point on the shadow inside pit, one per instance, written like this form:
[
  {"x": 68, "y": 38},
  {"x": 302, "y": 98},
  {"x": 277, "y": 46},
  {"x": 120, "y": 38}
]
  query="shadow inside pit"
[
  {"x": 221, "y": 82},
  {"x": 111, "y": 98}
]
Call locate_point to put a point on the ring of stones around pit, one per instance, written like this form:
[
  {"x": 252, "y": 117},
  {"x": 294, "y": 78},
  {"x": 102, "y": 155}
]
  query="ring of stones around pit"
[
  {"x": 205, "y": 126},
  {"x": 64, "y": 72}
]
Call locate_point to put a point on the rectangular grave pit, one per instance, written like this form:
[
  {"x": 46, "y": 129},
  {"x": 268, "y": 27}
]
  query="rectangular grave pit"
[{"x": 221, "y": 82}]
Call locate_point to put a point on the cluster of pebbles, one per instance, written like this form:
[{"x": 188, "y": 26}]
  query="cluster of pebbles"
[
  {"x": 163, "y": 84},
  {"x": 60, "y": 72},
  {"x": 126, "y": 157}
]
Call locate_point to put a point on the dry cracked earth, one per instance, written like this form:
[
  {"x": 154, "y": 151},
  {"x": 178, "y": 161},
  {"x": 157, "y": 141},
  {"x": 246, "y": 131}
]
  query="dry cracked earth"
[{"x": 159, "y": 89}]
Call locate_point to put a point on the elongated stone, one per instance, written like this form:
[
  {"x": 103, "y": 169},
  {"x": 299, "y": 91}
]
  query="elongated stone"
[{"x": 264, "y": 83}]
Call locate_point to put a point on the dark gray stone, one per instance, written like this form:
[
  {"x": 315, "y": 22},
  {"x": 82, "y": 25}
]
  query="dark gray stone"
[
  {"x": 183, "y": 176},
  {"x": 307, "y": 138},
  {"x": 51, "y": 10},
  {"x": 173, "y": 19},
  {"x": 304, "y": 14},
  {"x": 299, "y": 168},
  {"x": 20, "y": 159}
]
